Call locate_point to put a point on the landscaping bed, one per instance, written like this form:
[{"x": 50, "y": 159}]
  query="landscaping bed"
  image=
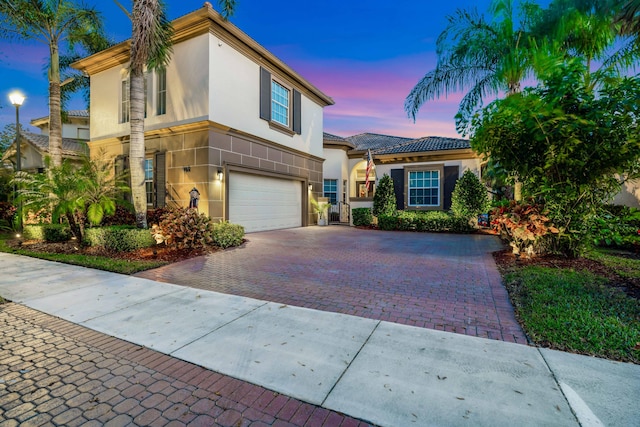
[{"x": 587, "y": 305}]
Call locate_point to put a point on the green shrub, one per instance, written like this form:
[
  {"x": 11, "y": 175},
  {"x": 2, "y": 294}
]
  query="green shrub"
[
  {"x": 47, "y": 232},
  {"x": 56, "y": 232},
  {"x": 119, "y": 238},
  {"x": 225, "y": 235},
  {"x": 384, "y": 201},
  {"x": 33, "y": 232},
  {"x": 469, "y": 198},
  {"x": 362, "y": 217},
  {"x": 183, "y": 229},
  {"x": 430, "y": 221}
]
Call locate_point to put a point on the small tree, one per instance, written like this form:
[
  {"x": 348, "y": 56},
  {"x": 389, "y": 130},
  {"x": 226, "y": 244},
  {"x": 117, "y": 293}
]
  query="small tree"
[
  {"x": 469, "y": 196},
  {"x": 570, "y": 145},
  {"x": 71, "y": 192},
  {"x": 384, "y": 201}
]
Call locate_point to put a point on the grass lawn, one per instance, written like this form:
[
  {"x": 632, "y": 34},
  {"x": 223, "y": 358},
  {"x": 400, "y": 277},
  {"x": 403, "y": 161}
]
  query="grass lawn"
[
  {"x": 577, "y": 310},
  {"x": 106, "y": 263}
]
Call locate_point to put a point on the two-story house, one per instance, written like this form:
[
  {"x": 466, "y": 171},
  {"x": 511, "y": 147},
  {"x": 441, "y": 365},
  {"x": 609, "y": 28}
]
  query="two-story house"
[{"x": 225, "y": 116}]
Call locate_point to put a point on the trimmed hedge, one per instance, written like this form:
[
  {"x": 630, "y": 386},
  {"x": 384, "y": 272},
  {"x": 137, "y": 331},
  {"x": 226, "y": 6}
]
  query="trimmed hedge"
[
  {"x": 362, "y": 216},
  {"x": 119, "y": 238},
  {"x": 47, "y": 232},
  {"x": 225, "y": 234},
  {"x": 431, "y": 221}
]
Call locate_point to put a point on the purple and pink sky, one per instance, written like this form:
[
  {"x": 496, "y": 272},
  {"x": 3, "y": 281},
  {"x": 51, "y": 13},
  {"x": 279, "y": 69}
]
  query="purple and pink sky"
[{"x": 365, "y": 54}]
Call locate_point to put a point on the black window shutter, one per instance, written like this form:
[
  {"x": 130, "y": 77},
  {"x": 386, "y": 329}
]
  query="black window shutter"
[
  {"x": 397, "y": 175},
  {"x": 297, "y": 110},
  {"x": 160, "y": 183},
  {"x": 122, "y": 167},
  {"x": 451, "y": 175},
  {"x": 265, "y": 94}
]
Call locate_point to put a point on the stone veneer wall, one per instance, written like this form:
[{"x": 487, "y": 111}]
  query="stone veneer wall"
[{"x": 204, "y": 151}]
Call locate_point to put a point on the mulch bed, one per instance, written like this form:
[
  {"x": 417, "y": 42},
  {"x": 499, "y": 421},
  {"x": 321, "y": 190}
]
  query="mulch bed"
[{"x": 507, "y": 262}]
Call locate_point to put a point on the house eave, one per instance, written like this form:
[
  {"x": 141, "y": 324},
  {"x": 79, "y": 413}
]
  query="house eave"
[
  {"x": 202, "y": 21},
  {"x": 425, "y": 156}
]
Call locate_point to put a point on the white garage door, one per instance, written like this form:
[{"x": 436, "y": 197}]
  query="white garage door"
[{"x": 263, "y": 203}]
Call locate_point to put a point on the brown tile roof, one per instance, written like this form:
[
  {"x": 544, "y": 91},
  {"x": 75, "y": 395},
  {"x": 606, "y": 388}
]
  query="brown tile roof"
[
  {"x": 428, "y": 143},
  {"x": 70, "y": 147}
]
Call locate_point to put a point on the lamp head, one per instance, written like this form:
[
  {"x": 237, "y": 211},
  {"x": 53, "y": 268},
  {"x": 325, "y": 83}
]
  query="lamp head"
[{"x": 16, "y": 98}]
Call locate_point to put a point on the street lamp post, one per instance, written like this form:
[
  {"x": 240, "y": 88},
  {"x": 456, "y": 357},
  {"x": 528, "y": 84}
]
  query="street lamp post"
[{"x": 17, "y": 99}]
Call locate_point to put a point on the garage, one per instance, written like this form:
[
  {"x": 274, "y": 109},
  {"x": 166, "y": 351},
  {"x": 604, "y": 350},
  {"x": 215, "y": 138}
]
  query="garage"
[{"x": 262, "y": 203}]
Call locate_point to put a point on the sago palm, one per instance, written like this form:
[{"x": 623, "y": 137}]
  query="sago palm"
[{"x": 58, "y": 24}]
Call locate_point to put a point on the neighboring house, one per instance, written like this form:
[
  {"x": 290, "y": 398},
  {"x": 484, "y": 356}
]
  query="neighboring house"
[
  {"x": 424, "y": 170},
  {"x": 35, "y": 147},
  {"x": 226, "y": 116},
  {"x": 75, "y": 125}
]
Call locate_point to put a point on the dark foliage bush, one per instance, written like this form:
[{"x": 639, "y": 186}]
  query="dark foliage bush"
[
  {"x": 431, "y": 221},
  {"x": 154, "y": 216},
  {"x": 122, "y": 216},
  {"x": 362, "y": 217},
  {"x": 384, "y": 201},
  {"x": 183, "y": 229},
  {"x": 119, "y": 238},
  {"x": 225, "y": 234}
]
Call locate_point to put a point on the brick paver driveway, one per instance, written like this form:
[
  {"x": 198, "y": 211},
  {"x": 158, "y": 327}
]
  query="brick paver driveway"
[{"x": 438, "y": 281}]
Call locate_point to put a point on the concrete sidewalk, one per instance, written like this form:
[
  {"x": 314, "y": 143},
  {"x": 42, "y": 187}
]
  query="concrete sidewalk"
[{"x": 385, "y": 373}]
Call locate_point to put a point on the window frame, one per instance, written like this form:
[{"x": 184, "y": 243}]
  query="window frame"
[
  {"x": 276, "y": 102},
  {"x": 125, "y": 101},
  {"x": 294, "y": 107},
  {"x": 332, "y": 199},
  {"x": 407, "y": 186},
  {"x": 149, "y": 182},
  {"x": 161, "y": 92}
]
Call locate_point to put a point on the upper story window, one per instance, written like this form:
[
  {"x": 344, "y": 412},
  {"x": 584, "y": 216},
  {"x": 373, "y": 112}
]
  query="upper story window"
[
  {"x": 161, "y": 92},
  {"x": 124, "y": 103},
  {"x": 280, "y": 105},
  {"x": 148, "y": 179}
]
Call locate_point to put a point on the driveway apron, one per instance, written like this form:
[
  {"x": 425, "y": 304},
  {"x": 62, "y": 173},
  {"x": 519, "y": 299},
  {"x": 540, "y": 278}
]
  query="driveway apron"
[{"x": 444, "y": 282}]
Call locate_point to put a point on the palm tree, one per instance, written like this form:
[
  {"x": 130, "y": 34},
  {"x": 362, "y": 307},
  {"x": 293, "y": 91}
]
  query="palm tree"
[
  {"x": 151, "y": 47},
  {"x": 483, "y": 57},
  {"x": 587, "y": 29},
  {"x": 54, "y": 23},
  {"x": 629, "y": 17}
]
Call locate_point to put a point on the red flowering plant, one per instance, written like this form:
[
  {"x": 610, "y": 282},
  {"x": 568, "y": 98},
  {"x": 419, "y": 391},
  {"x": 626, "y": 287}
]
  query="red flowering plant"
[{"x": 523, "y": 226}]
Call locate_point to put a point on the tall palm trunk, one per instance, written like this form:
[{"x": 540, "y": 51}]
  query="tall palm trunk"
[
  {"x": 55, "y": 119},
  {"x": 137, "y": 146}
]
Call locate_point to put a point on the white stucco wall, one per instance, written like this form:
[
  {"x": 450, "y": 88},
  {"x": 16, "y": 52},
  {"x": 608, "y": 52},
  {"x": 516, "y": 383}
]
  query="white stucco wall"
[
  {"x": 187, "y": 92},
  {"x": 629, "y": 195},
  {"x": 335, "y": 165},
  {"x": 235, "y": 100}
]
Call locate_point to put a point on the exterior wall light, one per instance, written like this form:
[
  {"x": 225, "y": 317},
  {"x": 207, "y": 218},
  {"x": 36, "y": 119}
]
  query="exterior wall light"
[
  {"x": 220, "y": 174},
  {"x": 310, "y": 187}
]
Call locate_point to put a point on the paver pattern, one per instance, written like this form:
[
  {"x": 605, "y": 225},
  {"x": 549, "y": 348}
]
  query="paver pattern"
[
  {"x": 439, "y": 281},
  {"x": 56, "y": 373}
]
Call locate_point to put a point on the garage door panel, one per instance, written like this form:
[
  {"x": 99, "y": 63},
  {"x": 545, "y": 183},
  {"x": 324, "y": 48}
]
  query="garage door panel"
[{"x": 264, "y": 203}]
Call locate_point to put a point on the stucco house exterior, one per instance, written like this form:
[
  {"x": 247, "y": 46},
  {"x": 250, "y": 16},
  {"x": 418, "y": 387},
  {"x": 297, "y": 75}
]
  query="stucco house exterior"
[
  {"x": 226, "y": 117},
  {"x": 35, "y": 147},
  {"x": 424, "y": 170}
]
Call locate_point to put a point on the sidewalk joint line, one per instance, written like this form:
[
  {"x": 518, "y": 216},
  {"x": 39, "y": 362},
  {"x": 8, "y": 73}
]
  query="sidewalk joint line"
[
  {"x": 555, "y": 379},
  {"x": 217, "y": 329},
  {"x": 349, "y": 365}
]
